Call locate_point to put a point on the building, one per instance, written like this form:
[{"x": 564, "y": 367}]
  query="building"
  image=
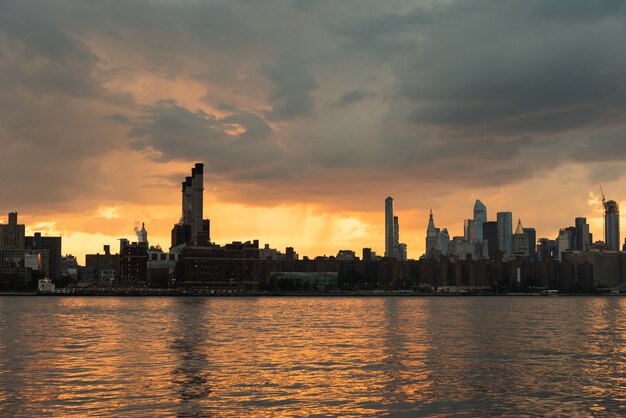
[
  {"x": 490, "y": 235},
  {"x": 505, "y": 228},
  {"x": 519, "y": 241},
  {"x": 433, "y": 246},
  {"x": 611, "y": 225},
  {"x": 134, "y": 263},
  {"x": 12, "y": 234},
  {"x": 444, "y": 241},
  {"x": 390, "y": 248},
  {"x": 532, "y": 243},
  {"x": 103, "y": 268},
  {"x": 51, "y": 249},
  {"x": 192, "y": 229},
  {"x": 480, "y": 217},
  {"x": 563, "y": 243},
  {"x": 582, "y": 240},
  {"x": 469, "y": 230}
]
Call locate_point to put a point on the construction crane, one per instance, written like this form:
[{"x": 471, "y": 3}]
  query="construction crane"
[{"x": 603, "y": 198}]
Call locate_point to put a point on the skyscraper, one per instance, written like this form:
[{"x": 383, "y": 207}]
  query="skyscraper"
[
  {"x": 532, "y": 242},
  {"x": 611, "y": 225},
  {"x": 505, "y": 228},
  {"x": 490, "y": 234},
  {"x": 444, "y": 241},
  {"x": 433, "y": 243},
  {"x": 519, "y": 241},
  {"x": 582, "y": 240},
  {"x": 389, "y": 228},
  {"x": 480, "y": 217},
  {"x": 192, "y": 229}
]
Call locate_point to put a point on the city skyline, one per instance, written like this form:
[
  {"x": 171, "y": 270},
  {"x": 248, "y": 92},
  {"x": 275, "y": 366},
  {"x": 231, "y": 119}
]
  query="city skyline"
[
  {"x": 307, "y": 114},
  {"x": 379, "y": 248}
]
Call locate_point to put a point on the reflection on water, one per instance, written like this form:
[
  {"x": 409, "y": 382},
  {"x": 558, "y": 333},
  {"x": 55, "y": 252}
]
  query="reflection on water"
[{"x": 301, "y": 356}]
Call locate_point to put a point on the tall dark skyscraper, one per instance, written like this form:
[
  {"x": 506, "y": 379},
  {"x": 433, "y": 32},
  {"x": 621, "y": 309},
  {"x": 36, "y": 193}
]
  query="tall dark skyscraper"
[
  {"x": 582, "y": 240},
  {"x": 192, "y": 229},
  {"x": 389, "y": 228},
  {"x": 490, "y": 234},
  {"x": 505, "y": 231},
  {"x": 611, "y": 225}
]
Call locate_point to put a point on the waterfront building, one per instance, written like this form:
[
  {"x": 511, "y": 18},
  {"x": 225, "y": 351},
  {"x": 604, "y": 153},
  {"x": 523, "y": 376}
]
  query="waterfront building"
[
  {"x": 50, "y": 250},
  {"x": 192, "y": 229},
  {"x": 505, "y": 227},
  {"x": 103, "y": 268},
  {"x": 611, "y": 225},
  {"x": 12, "y": 234}
]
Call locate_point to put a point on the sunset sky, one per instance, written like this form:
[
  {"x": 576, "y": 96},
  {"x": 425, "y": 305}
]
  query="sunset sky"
[{"x": 307, "y": 115}]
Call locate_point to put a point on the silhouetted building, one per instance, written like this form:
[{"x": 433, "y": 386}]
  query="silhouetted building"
[
  {"x": 134, "y": 263},
  {"x": 433, "y": 247},
  {"x": 444, "y": 241},
  {"x": 12, "y": 234},
  {"x": 104, "y": 268},
  {"x": 53, "y": 247},
  {"x": 490, "y": 234},
  {"x": 611, "y": 225},
  {"x": 532, "y": 243},
  {"x": 582, "y": 240},
  {"x": 547, "y": 249},
  {"x": 390, "y": 245},
  {"x": 192, "y": 229},
  {"x": 505, "y": 228}
]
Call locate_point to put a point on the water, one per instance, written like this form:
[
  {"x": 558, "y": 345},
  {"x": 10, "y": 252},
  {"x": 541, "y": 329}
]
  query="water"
[{"x": 475, "y": 356}]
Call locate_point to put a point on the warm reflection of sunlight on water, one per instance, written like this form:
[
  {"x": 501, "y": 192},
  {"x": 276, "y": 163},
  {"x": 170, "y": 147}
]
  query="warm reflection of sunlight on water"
[{"x": 302, "y": 356}]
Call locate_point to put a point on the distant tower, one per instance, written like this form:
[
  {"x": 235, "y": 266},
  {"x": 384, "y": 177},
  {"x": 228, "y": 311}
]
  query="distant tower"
[
  {"x": 192, "y": 229},
  {"x": 444, "y": 241},
  {"x": 519, "y": 241},
  {"x": 582, "y": 240},
  {"x": 611, "y": 225},
  {"x": 389, "y": 228},
  {"x": 142, "y": 234},
  {"x": 480, "y": 217},
  {"x": 433, "y": 243},
  {"x": 505, "y": 227}
]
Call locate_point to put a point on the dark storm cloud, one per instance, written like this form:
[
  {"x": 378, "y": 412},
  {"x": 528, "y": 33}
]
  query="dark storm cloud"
[
  {"x": 535, "y": 84},
  {"x": 291, "y": 90},
  {"x": 483, "y": 92},
  {"x": 350, "y": 97},
  {"x": 238, "y": 143}
]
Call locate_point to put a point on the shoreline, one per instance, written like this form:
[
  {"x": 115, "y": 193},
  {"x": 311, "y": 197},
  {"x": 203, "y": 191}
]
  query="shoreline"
[{"x": 143, "y": 293}]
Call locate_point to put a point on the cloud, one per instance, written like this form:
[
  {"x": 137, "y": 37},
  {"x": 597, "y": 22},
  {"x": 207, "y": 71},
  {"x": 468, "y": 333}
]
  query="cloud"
[
  {"x": 330, "y": 101},
  {"x": 241, "y": 142},
  {"x": 293, "y": 83},
  {"x": 349, "y": 98}
]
